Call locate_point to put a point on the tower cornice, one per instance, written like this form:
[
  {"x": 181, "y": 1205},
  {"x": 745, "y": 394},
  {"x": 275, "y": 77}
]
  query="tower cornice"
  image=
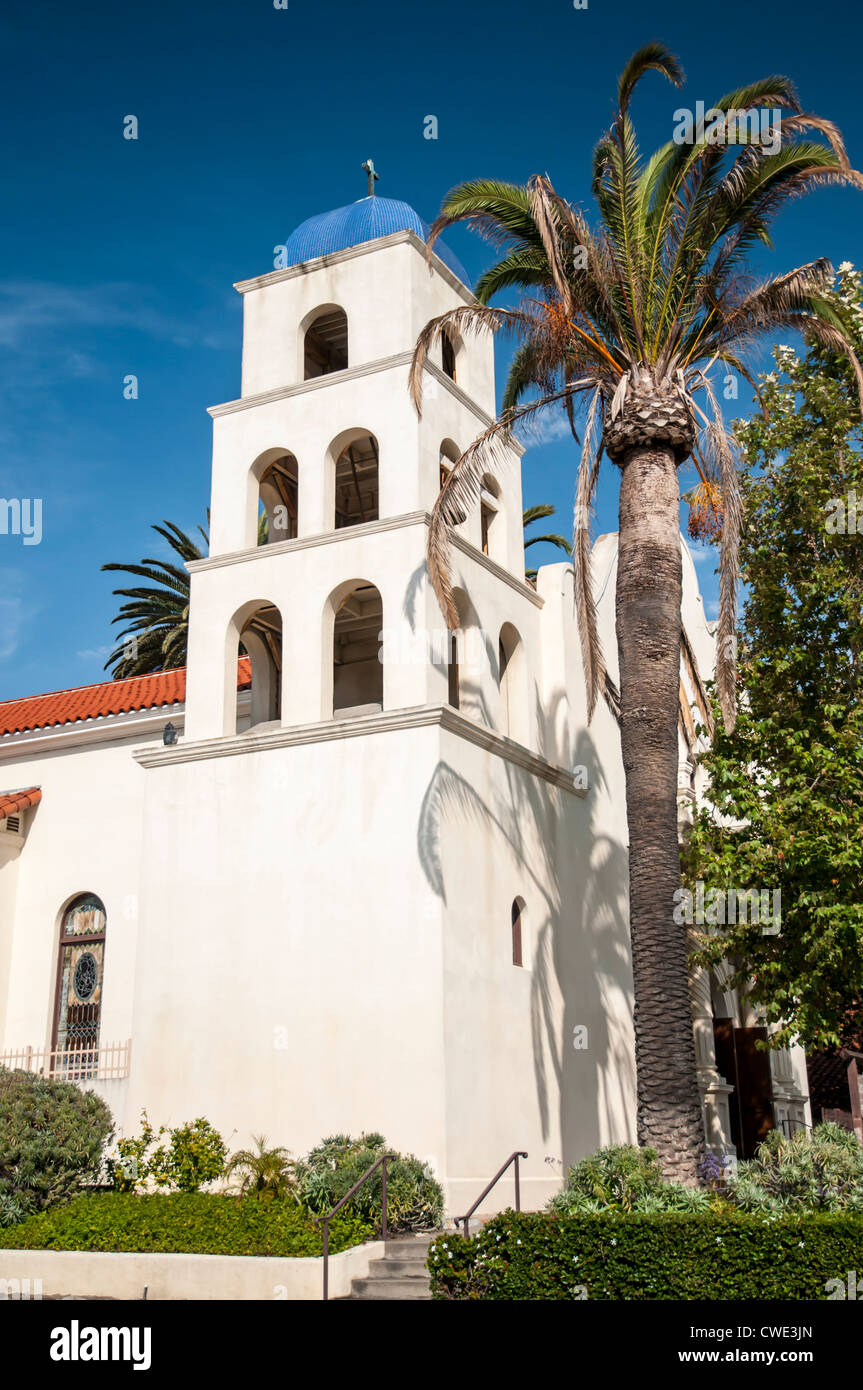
[
  {"x": 365, "y": 248},
  {"x": 381, "y": 364},
  {"x": 367, "y": 528}
]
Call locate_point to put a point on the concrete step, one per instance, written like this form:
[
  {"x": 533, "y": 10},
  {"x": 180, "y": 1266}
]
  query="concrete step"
[
  {"x": 393, "y": 1266},
  {"x": 391, "y": 1288},
  {"x": 400, "y": 1273}
]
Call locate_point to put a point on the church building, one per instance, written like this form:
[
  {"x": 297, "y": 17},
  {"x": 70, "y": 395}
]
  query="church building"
[{"x": 347, "y": 871}]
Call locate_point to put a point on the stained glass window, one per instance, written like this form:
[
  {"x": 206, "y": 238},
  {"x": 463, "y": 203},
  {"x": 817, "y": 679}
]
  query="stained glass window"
[{"x": 79, "y": 986}]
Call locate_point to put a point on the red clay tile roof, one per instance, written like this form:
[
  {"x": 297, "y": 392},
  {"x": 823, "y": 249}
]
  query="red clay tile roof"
[
  {"x": 13, "y": 802},
  {"x": 96, "y": 701}
]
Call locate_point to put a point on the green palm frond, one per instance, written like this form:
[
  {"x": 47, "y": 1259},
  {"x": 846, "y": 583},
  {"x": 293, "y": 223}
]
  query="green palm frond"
[
  {"x": 155, "y": 621},
  {"x": 540, "y": 512}
]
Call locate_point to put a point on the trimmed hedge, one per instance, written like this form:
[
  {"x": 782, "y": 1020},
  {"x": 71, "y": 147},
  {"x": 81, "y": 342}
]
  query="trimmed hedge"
[
  {"x": 192, "y": 1223},
  {"x": 538, "y": 1255}
]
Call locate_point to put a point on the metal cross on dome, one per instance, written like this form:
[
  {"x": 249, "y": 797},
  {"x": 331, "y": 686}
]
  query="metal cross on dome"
[{"x": 369, "y": 168}]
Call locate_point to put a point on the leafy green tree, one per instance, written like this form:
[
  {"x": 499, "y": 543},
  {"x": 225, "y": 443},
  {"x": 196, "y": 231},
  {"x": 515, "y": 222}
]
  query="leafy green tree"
[
  {"x": 787, "y": 784},
  {"x": 540, "y": 513},
  {"x": 624, "y": 319}
]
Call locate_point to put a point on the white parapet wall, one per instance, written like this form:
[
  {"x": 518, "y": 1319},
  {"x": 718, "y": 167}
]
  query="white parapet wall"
[{"x": 92, "y": 1274}]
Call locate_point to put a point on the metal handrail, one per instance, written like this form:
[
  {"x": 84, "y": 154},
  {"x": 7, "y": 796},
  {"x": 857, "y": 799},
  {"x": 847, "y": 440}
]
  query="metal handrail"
[
  {"x": 513, "y": 1158},
  {"x": 382, "y": 1161}
]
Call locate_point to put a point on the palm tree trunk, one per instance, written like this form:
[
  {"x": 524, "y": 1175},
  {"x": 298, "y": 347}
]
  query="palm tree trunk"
[{"x": 649, "y": 587}]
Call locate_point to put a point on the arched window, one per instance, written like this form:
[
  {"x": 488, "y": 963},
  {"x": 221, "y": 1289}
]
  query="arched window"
[
  {"x": 448, "y": 353},
  {"x": 512, "y": 682},
  {"x": 325, "y": 345},
  {"x": 356, "y": 482},
  {"x": 449, "y": 455},
  {"x": 453, "y": 692},
  {"x": 518, "y": 943},
  {"x": 277, "y": 501},
  {"x": 256, "y": 632},
  {"x": 79, "y": 987},
  {"x": 358, "y": 673},
  {"x": 464, "y": 664},
  {"x": 489, "y": 507}
]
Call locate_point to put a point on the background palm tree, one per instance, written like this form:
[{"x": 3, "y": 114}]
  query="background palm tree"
[
  {"x": 539, "y": 513},
  {"x": 157, "y": 616},
  {"x": 624, "y": 321}
]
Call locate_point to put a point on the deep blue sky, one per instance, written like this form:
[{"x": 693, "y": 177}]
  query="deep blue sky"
[{"x": 119, "y": 257}]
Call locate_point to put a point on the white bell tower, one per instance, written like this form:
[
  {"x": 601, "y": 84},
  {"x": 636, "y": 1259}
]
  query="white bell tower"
[{"x": 325, "y": 439}]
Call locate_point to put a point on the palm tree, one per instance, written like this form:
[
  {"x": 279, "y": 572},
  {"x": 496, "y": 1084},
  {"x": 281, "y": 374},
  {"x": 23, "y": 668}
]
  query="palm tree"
[
  {"x": 625, "y": 320},
  {"x": 539, "y": 513},
  {"x": 157, "y": 619},
  {"x": 264, "y": 1173}
]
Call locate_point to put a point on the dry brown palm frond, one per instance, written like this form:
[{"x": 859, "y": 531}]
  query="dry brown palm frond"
[
  {"x": 783, "y": 293},
  {"x": 721, "y": 447},
  {"x": 487, "y": 454},
  {"x": 812, "y": 329},
  {"x": 737, "y": 317},
  {"x": 806, "y": 120},
  {"x": 543, "y": 213},
  {"x": 612, "y": 696},
  {"x": 585, "y": 605},
  {"x": 589, "y": 286},
  {"x": 479, "y": 318},
  {"x": 569, "y": 406}
]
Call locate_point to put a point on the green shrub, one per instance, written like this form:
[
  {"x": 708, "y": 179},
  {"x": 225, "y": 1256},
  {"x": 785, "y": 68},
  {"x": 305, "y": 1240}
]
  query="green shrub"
[
  {"x": 324, "y": 1176},
  {"x": 195, "y": 1154},
  {"x": 624, "y": 1178},
  {"x": 11, "y": 1210},
  {"x": 51, "y": 1140},
  {"x": 130, "y": 1165},
  {"x": 709, "y": 1255},
  {"x": 821, "y": 1170},
  {"x": 196, "y": 1223}
]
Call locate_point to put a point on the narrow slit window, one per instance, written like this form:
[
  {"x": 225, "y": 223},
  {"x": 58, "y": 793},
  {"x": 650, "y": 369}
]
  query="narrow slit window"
[
  {"x": 452, "y": 671},
  {"x": 517, "y": 942}
]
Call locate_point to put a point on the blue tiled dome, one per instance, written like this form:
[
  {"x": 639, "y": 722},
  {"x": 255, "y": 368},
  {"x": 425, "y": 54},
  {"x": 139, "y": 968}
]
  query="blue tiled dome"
[{"x": 358, "y": 222}]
